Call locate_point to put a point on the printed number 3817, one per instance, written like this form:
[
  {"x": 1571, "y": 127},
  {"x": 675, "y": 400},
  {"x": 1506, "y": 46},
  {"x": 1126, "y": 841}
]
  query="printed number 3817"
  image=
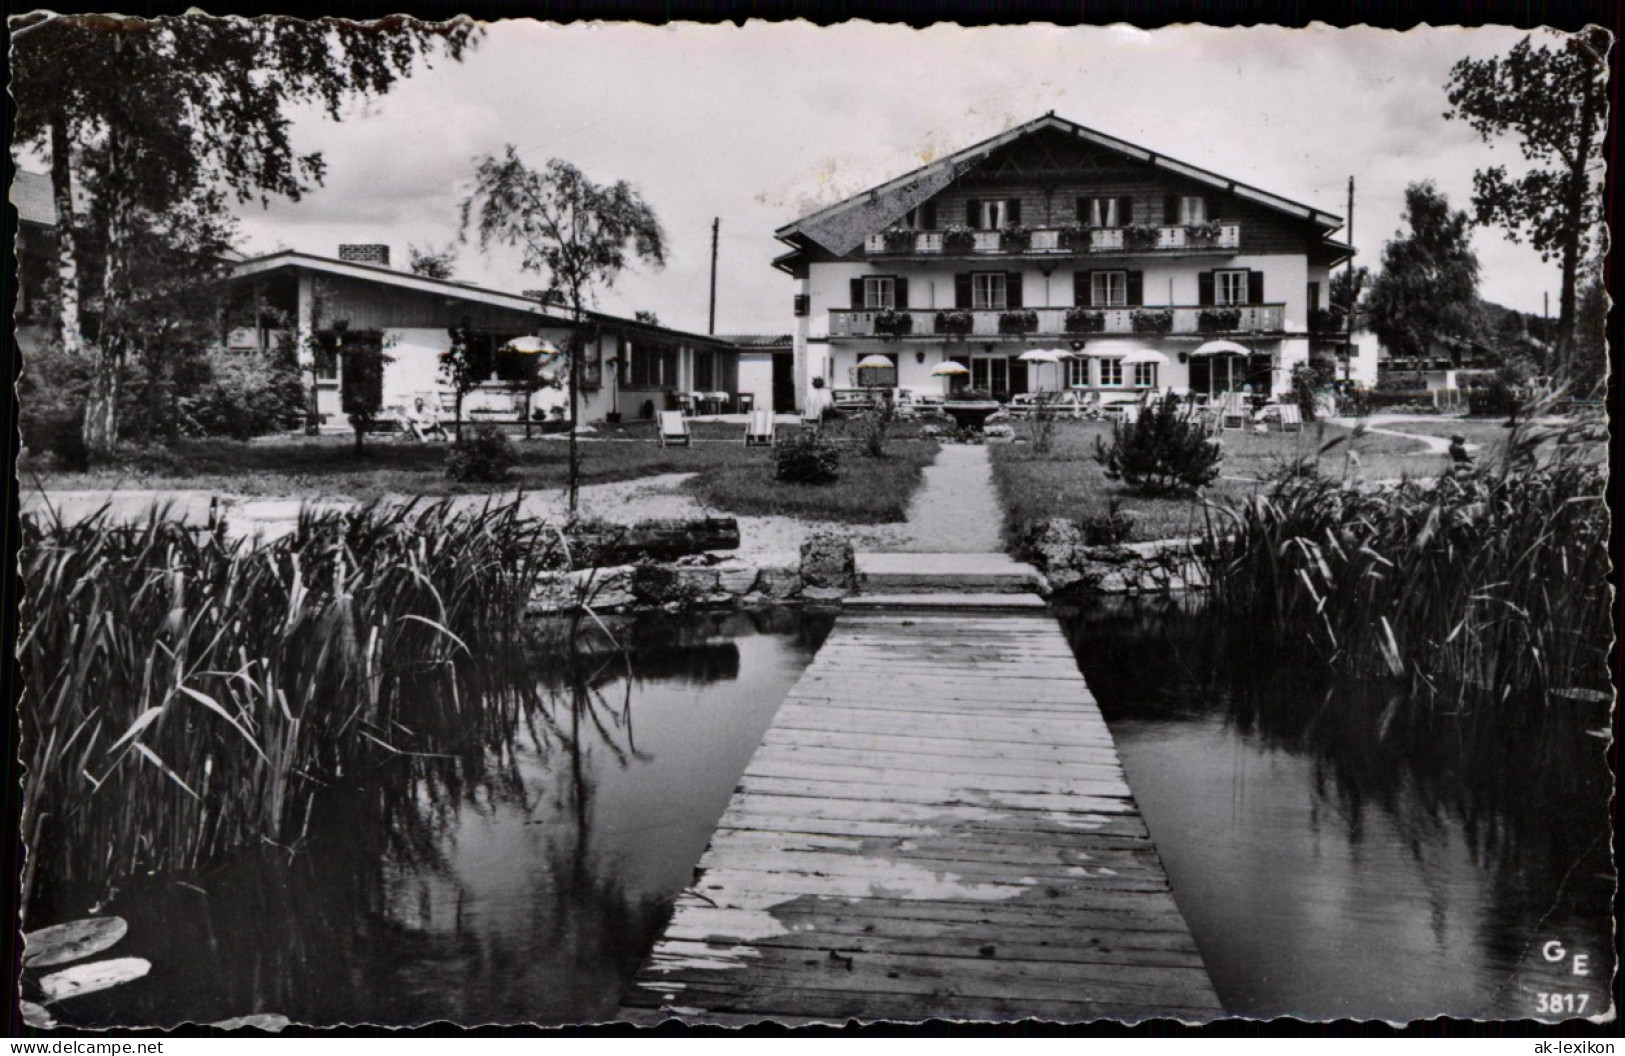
[{"x": 1562, "y": 1004}]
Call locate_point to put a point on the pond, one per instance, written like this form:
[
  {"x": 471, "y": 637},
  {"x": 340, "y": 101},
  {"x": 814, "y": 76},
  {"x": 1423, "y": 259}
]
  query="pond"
[
  {"x": 1339, "y": 851},
  {"x": 525, "y": 885}
]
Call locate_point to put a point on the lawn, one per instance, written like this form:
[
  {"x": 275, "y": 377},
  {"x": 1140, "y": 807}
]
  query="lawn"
[
  {"x": 1068, "y": 482},
  {"x": 730, "y": 476}
]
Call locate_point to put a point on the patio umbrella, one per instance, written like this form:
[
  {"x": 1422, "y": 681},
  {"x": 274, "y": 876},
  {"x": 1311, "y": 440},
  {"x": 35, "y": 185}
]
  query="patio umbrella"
[
  {"x": 875, "y": 362},
  {"x": 1221, "y": 348},
  {"x": 1045, "y": 355},
  {"x": 532, "y": 345},
  {"x": 1145, "y": 355},
  {"x": 950, "y": 369}
]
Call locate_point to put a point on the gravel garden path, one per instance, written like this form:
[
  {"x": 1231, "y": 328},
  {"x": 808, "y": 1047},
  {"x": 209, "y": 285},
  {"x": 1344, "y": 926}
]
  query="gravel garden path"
[{"x": 956, "y": 510}]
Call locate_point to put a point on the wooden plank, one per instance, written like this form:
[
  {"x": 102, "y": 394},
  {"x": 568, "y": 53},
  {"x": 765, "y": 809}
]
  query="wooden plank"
[{"x": 936, "y": 824}]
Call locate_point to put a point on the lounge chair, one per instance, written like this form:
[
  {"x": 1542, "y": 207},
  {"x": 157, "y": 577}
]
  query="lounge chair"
[
  {"x": 674, "y": 429},
  {"x": 759, "y": 430},
  {"x": 1233, "y": 409},
  {"x": 1290, "y": 416}
]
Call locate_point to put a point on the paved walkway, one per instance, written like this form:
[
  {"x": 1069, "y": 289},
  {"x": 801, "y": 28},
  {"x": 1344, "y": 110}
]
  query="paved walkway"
[{"x": 956, "y": 510}]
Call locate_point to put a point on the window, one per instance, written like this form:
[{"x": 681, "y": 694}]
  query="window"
[
  {"x": 1102, "y": 212},
  {"x": 987, "y": 289},
  {"x": 1109, "y": 289},
  {"x": 881, "y": 292},
  {"x": 650, "y": 366},
  {"x": 1145, "y": 375},
  {"x": 1230, "y": 287},
  {"x": 1111, "y": 372},
  {"x": 1077, "y": 372},
  {"x": 991, "y": 375},
  {"x": 993, "y": 215},
  {"x": 705, "y": 369},
  {"x": 1193, "y": 210},
  {"x": 920, "y": 218}
]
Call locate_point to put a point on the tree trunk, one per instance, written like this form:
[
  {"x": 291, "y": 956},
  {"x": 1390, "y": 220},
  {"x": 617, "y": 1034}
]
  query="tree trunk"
[
  {"x": 1575, "y": 207},
  {"x": 576, "y": 351},
  {"x": 67, "y": 262}
]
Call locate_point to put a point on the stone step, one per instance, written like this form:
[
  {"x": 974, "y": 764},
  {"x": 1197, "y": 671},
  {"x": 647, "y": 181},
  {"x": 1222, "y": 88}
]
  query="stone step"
[{"x": 919, "y": 573}]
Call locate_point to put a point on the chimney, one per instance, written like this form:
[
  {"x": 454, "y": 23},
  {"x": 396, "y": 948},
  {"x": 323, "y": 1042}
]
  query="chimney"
[{"x": 367, "y": 253}]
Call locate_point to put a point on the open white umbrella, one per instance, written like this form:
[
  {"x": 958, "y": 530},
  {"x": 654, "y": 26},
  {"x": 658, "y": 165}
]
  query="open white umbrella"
[
  {"x": 875, "y": 362},
  {"x": 532, "y": 345},
  {"x": 1046, "y": 355},
  {"x": 1221, "y": 348},
  {"x": 1146, "y": 355},
  {"x": 949, "y": 370}
]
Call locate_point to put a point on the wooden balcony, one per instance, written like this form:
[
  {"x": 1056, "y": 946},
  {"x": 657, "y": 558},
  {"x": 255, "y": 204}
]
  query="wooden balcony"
[
  {"x": 1150, "y": 321},
  {"x": 1053, "y": 242}
]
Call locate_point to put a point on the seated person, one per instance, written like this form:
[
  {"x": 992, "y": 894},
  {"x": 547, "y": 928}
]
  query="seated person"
[
  {"x": 1460, "y": 457},
  {"x": 424, "y": 421}
]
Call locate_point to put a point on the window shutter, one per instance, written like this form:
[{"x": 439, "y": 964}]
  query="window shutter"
[
  {"x": 1013, "y": 211},
  {"x": 1125, "y": 210},
  {"x": 928, "y": 216},
  {"x": 1255, "y": 287},
  {"x": 1314, "y": 297},
  {"x": 1204, "y": 288},
  {"x": 1081, "y": 288},
  {"x": 1170, "y": 209},
  {"x": 1136, "y": 288},
  {"x": 900, "y": 292},
  {"x": 1012, "y": 289},
  {"x": 1083, "y": 210},
  {"x": 857, "y": 293},
  {"x": 973, "y": 212},
  {"x": 962, "y": 290}
]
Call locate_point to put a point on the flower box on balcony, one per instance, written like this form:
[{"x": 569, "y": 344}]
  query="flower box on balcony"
[
  {"x": 1218, "y": 320},
  {"x": 1152, "y": 320},
  {"x": 1203, "y": 234},
  {"x": 1084, "y": 321},
  {"x": 891, "y": 323},
  {"x": 958, "y": 239},
  {"x": 958, "y": 322},
  {"x": 1018, "y": 322},
  {"x": 1015, "y": 238},
  {"x": 899, "y": 241},
  {"x": 1141, "y": 236},
  {"x": 1074, "y": 236}
]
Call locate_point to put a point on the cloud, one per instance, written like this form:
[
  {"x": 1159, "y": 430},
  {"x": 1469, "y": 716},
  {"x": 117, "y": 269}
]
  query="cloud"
[{"x": 763, "y": 123}]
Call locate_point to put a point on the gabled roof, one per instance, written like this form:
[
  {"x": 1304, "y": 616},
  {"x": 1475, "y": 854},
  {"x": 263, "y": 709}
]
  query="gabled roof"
[
  {"x": 842, "y": 227},
  {"x": 31, "y": 194},
  {"x": 466, "y": 291}
]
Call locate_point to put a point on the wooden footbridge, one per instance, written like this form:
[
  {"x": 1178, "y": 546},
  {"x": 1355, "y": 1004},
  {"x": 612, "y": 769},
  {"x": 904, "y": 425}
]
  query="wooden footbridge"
[{"x": 936, "y": 825}]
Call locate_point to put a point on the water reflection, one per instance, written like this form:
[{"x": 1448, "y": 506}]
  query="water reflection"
[
  {"x": 1340, "y": 850},
  {"x": 517, "y": 871}
]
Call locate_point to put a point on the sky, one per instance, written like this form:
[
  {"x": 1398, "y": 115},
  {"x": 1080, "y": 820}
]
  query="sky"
[{"x": 761, "y": 124}]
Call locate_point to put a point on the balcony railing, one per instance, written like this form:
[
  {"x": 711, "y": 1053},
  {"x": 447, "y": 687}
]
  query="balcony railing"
[
  {"x": 1149, "y": 321},
  {"x": 1054, "y": 241}
]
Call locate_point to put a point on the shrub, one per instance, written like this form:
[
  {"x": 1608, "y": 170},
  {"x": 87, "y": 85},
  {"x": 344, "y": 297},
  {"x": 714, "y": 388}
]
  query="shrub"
[
  {"x": 1498, "y": 399},
  {"x": 243, "y": 395},
  {"x": 807, "y": 458},
  {"x": 51, "y": 394},
  {"x": 1308, "y": 379},
  {"x": 484, "y": 457},
  {"x": 1160, "y": 453},
  {"x": 1106, "y": 529},
  {"x": 876, "y": 428}
]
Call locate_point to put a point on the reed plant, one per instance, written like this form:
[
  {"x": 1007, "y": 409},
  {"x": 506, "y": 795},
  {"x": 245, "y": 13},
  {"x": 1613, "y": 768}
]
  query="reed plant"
[
  {"x": 187, "y": 694},
  {"x": 1486, "y": 585}
]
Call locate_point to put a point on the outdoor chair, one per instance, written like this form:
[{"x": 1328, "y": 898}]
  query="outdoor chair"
[
  {"x": 759, "y": 430},
  {"x": 674, "y": 429},
  {"x": 1290, "y": 416},
  {"x": 1233, "y": 409}
]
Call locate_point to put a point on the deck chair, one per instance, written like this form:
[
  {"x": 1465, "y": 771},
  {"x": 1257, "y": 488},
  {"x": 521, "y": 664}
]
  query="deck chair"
[
  {"x": 1233, "y": 409},
  {"x": 1290, "y": 416},
  {"x": 759, "y": 430},
  {"x": 674, "y": 429}
]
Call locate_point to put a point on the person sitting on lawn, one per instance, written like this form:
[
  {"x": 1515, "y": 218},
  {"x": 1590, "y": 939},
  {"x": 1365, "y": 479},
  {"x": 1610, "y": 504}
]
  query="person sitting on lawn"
[
  {"x": 1460, "y": 457},
  {"x": 424, "y": 421}
]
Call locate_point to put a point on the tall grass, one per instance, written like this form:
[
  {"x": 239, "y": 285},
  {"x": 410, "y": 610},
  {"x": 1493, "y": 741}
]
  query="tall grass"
[
  {"x": 187, "y": 694},
  {"x": 1485, "y": 586}
]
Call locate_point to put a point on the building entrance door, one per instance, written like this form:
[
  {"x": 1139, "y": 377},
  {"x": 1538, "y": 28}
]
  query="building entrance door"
[{"x": 784, "y": 383}]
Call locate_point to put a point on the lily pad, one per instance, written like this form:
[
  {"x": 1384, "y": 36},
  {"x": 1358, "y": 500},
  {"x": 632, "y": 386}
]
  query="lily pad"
[{"x": 72, "y": 941}]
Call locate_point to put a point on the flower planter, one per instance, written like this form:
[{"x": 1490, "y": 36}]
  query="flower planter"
[
  {"x": 894, "y": 324},
  {"x": 1153, "y": 322},
  {"x": 1084, "y": 322},
  {"x": 970, "y": 414},
  {"x": 1018, "y": 322},
  {"x": 1218, "y": 320},
  {"x": 958, "y": 240},
  {"x": 1141, "y": 236},
  {"x": 954, "y": 323},
  {"x": 899, "y": 241}
]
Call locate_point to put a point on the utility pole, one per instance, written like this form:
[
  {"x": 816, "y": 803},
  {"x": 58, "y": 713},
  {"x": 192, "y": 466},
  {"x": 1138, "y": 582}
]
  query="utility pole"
[
  {"x": 711, "y": 327},
  {"x": 1354, "y": 295}
]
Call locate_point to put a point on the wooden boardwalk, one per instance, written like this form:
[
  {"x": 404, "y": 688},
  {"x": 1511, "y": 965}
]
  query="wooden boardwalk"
[{"x": 935, "y": 826}]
